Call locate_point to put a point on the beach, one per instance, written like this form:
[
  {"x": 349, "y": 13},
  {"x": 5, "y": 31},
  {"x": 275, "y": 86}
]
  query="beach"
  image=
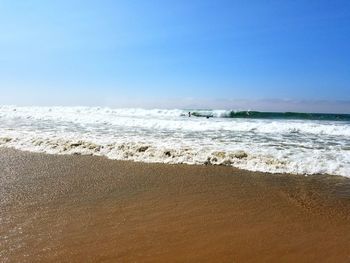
[
  {"x": 175, "y": 131},
  {"x": 71, "y": 208}
]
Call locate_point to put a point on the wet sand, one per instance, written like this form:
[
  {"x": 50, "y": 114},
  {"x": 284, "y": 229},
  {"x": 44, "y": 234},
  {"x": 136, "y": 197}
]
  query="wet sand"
[{"x": 91, "y": 209}]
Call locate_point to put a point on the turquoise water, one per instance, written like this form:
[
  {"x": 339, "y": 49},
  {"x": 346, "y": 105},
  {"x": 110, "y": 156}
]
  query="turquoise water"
[{"x": 271, "y": 115}]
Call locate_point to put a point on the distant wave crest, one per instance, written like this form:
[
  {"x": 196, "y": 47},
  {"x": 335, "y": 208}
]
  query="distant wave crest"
[{"x": 270, "y": 115}]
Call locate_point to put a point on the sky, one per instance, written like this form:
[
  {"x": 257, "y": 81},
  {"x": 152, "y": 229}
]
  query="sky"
[{"x": 258, "y": 54}]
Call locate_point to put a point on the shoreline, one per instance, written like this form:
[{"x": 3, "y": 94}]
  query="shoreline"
[
  {"x": 90, "y": 208},
  {"x": 77, "y": 153}
]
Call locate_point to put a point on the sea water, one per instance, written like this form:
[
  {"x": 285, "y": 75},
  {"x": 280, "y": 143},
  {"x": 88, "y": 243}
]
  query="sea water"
[{"x": 299, "y": 143}]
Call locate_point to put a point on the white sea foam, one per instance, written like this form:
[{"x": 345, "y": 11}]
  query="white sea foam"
[{"x": 169, "y": 136}]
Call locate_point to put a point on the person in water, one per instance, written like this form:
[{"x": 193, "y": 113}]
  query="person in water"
[{"x": 207, "y": 116}]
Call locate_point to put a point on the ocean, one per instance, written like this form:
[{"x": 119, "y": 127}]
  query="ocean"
[{"x": 298, "y": 143}]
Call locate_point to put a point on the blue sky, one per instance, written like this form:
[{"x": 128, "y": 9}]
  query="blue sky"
[{"x": 175, "y": 53}]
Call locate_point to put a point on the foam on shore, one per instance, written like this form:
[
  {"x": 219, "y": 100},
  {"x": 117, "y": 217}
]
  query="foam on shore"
[{"x": 167, "y": 136}]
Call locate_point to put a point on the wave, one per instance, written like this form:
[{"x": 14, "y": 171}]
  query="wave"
[
  {"x": 267, "y": 144},
  {"x": 154, "y": 153},
  {"x": 270, "y": 115},
  {"x": 212, "y": 113},
  {"x": 166, "y": 120}
]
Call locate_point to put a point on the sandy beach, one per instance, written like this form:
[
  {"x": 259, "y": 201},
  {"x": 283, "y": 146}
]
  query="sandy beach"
[{"x": 64, "y": 208}]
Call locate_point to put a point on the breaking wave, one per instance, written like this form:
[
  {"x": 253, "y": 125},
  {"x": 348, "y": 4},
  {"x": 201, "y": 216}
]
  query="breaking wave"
[{"x": 267, "y": 144}]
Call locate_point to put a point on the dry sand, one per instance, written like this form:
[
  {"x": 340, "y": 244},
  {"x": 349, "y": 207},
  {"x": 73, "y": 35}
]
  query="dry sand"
[{"x": 91, "y": 209}]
